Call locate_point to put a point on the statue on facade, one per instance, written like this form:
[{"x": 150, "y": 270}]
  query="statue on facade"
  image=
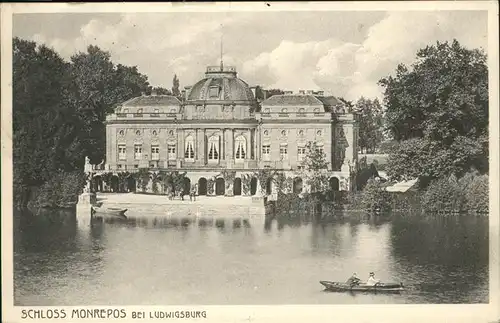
[
  {"x": 87, "y": 167},
  {"x": 88, "y": 180}
]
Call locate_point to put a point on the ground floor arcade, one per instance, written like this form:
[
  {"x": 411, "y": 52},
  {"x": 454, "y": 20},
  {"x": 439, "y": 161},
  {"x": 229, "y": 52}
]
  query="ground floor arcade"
[{"x": 216, "y": 183}]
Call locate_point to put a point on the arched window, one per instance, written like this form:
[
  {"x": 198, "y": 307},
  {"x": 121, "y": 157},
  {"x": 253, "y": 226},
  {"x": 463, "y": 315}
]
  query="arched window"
[
  {"x": 189, "y": 149},
  {"x": 213, "y": 148},
  {"x": 240, "y": 148}
]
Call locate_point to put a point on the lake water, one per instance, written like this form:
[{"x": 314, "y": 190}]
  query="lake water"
[{"x": 439, "y": 259}]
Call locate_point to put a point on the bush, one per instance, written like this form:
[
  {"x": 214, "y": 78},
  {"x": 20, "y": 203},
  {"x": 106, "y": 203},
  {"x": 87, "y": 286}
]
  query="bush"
[
  {"x": 443, "y": 196},
  {"x": 61, "y": 190},
  {"x": 364, "y": 175},
  {"x": 375, "y": 197},
  {"x": 475, "y": 189},
  {"x": 388, "y": 147},
  {"x": 452, "y": 195}
]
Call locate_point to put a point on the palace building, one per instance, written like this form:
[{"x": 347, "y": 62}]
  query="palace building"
[{"x": 218, "y": 125}]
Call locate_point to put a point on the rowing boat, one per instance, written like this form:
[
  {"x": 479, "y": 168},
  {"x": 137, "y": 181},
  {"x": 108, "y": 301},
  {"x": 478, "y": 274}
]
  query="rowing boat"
[
  {"x": 343, "y": 287},
  {"x": 109, "y": 212}
]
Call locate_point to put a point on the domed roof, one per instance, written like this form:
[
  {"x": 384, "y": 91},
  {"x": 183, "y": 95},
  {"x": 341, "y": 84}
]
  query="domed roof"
[{"x": 221, "y": 84}]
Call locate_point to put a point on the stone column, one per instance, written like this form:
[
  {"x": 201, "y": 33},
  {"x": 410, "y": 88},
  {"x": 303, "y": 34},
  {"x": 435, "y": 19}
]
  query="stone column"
[
  {"x": 231, "y": 144},
  {"x": 200, "y": 146},
  {"x": 110, "y": 157},
  {"x": 202, "y": 143},
  {"x": 229, "y": 189},
  {"x": 249, "y": 143},
  {"x": 228, "y": 147},
  {"x": 258, "y": 191},
  {"x": 222, "y": 143},
  {"x": 195, "y": 146},
  {"x": 257, "y": 144},
  {"x": 180, "y": 144}
]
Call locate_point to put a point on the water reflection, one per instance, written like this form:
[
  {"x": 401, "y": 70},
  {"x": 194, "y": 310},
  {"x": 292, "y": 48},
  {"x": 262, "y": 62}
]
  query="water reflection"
[{"x": 277, "y": 261}]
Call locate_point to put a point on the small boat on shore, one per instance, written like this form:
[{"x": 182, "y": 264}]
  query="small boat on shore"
[
  {"x": 109, "y": 212},
  {"x": 380, "y": 287}
]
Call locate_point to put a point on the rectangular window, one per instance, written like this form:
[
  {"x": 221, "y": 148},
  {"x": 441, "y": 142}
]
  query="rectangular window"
[
  {"x": 213, "y": 153},
  {"x": 138, "y": 152},
  {"x": 266, "y": 152},
  {"x": 155, "y": 152},
  {"x": 240, "y": 150},
  {"x": 122, "y": 152},
  {"x": 171, "y": 152},
  {"x": 138, "y": 113},
  {"x": 189, "y": 153},
  {"x": 320, "y": 150},
  {"x": 283, "y": 152},
  {"x": 301, "y": 153},
  {"x": 214, "y": 92}
]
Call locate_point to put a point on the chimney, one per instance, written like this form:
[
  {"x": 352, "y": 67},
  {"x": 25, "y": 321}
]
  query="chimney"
[{"x": 187, "y": 90}]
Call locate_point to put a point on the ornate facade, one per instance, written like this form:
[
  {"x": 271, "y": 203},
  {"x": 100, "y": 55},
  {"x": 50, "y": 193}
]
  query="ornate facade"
[{"x": 219, "y": 125}]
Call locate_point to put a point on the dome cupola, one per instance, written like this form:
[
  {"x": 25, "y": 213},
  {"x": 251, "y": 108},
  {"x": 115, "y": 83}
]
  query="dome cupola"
[{"x": 221, "y": 83}]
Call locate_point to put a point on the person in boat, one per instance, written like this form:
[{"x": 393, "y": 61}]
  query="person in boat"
[
  {"x": 353, "y": 280},
  {"x": 371, "y": 280}
]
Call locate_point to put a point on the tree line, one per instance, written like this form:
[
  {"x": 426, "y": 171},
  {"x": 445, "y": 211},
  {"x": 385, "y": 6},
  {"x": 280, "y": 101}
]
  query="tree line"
[
  {"x": 59, "y": 109},
  {"x": 434, "y": 113}
]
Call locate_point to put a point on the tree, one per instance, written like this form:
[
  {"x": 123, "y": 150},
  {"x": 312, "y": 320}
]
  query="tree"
[
  {"x": 284, "y": 184},
  {"x": 156, "y": 178},
  {"x": 143, "y": 176},
  {"x": 316, "y": 165},
  {"x": 263, "y": 176},
  {"x": 175, "y": 87},
  {"x": 129, "y": 83},
  {"x": 98, "y": 87},
  {"x": 228, "y": 176},
  {"x": 43, "y": 121},
  {"x": 370, "y": 124},
  {"x": 161, "y": 91},
  {"x": 173, "y": 181},
  {"x": 59, "y": 109},
  {"x": 437, "y": 110},
  {"x": 375, "y": 197},
  {"x": 271, "y": 92}
]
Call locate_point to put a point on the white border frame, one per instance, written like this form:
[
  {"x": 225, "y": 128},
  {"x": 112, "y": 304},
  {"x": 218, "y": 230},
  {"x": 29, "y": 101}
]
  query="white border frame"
[{"x": 286, "y": 313}]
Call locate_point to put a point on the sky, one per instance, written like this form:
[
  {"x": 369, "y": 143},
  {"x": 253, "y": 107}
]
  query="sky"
[{"x": 343, "y": 53}]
